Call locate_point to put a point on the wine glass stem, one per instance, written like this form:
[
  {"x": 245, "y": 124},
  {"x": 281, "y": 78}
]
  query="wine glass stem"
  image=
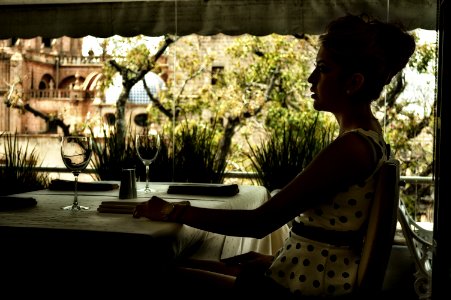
[
  {"x": 75, "y": 203},
  {"x": 147, "y": 178}
]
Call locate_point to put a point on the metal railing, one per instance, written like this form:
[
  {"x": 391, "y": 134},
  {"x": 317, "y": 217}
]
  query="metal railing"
[
  {"x": 58, "y": 94},
  {"x": 236, "y": 174}
]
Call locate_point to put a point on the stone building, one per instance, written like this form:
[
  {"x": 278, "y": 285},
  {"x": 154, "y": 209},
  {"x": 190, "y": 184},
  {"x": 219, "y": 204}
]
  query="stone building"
[{"x": 52, "y": 77}]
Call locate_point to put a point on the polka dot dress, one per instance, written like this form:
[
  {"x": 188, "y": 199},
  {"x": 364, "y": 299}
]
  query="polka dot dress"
[{"x": 309, "y": 267}]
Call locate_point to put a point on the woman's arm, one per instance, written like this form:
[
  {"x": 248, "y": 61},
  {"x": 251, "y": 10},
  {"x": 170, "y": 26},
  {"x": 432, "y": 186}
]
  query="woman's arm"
[{"x": 346, "y": 161}]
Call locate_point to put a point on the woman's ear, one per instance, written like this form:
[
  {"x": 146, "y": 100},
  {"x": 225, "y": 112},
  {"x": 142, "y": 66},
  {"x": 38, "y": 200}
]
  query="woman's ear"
[{"x": 355, "y": 83}]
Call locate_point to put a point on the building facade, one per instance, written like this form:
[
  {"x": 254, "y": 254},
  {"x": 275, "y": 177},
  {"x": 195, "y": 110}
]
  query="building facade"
[{"x": 50, "y": 77}]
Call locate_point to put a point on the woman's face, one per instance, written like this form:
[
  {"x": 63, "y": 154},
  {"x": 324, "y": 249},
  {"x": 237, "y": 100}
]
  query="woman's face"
[{"x": 328, "y": 84}]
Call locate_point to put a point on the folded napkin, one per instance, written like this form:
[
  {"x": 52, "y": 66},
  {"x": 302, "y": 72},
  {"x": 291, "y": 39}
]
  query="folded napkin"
[
  {"x": 226, "y": 190},
  {"x": 11, "y": 203},
  {"x": 68, "y": 185},
  {"x": 118, "y": 207}
]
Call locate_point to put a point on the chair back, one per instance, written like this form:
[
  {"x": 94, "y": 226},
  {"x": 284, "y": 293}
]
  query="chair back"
[{"x": 380, "y": 231}]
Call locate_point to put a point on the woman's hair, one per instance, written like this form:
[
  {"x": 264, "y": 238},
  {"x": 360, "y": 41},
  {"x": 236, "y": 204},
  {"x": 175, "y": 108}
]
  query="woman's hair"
[{"x": 376, "y": 49}]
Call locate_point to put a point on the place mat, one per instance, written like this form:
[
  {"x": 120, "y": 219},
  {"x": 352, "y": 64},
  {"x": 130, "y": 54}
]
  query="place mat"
[
  {"x": 118, "y": 207},
  {"x": 11, "y": 203},
  {"x": 226, "y": 190},
  {"x": 68, "y": 185}
]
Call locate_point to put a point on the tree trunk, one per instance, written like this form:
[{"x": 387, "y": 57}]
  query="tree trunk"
[{"x": 226, "y": 140}]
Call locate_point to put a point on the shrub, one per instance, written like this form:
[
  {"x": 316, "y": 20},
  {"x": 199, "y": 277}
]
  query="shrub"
[
  {"x": 18, "y": 173},
  {"x": 195, "y": 154},
  {"x": 188, "y": 155},
  {"x": 287, "y": 150},
  {"x": 110, "y": 157}
]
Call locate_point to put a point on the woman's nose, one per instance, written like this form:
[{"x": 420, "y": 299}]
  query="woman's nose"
[{"x": 311, "y": 77}]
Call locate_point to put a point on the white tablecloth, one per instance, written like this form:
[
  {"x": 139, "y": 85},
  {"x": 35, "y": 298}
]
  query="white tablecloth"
[{"x": 189, "y": 241}]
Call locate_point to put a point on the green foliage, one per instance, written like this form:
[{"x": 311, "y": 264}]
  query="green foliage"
[
  {"x": 195, "y": 149},
  {"x": 271, "y": 68},
  {"x": 424, "y": 58},
  {"x": 131, "y": 52},
  {"x": 189, "y": 155},
  {"x": 19, "y": 172},
  {"x": 110, "y": 156},
  {"x": 287, "y": 150},
  {"x": 259, "y": 73}
]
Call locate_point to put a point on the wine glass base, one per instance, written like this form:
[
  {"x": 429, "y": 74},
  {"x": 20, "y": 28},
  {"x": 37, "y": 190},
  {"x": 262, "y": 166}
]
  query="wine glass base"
[
  {"x": 146, "y": 191},
  {"x": 75, "y": 208}
]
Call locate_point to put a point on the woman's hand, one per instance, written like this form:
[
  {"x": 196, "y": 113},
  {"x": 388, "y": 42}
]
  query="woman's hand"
[
  {"x": 154, "y": 209},
  {"x": 250, "y": 258},
  {"x": 158, "y": 209}
]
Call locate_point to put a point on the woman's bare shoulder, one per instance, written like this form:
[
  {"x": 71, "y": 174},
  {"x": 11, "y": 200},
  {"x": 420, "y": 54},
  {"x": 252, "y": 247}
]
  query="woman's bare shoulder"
[{"x": 349, "y": 158}]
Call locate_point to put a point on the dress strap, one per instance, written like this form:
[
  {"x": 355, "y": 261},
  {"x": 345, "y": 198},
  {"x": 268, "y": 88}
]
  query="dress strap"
[{"x": 381, "y": 150}]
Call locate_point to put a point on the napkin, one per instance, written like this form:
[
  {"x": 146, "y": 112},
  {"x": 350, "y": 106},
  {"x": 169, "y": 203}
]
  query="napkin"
[
  {"x": 68, "y": 185},
  {"x": 226, "y": 190},
  {"x": 118, "y": 207},
  {"x": 10, "y": 203}
]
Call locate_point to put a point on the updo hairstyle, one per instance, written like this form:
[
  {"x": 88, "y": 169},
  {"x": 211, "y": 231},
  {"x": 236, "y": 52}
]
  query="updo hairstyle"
[{"x": 373, "y": 48}]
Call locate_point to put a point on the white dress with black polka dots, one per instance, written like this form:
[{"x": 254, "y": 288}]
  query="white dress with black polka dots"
[{"x": 309, "y": 267}]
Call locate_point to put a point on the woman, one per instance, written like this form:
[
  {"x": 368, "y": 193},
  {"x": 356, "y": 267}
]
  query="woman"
[{"x": 329, "y": 200}]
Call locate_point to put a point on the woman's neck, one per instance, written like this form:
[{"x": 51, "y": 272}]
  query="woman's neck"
[{"x": 358, "y": 118}]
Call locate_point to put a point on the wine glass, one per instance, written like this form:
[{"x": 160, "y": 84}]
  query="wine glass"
[
  {"x": 147, "y": 147},
  {"x": 76, "y": 153}
]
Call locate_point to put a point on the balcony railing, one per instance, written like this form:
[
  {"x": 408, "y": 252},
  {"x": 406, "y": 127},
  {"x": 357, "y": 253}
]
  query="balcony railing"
[
  {"x": 59, "y": 94},
  {"x": 239, "y": 175},
  {"x": 64, "y": 59}
]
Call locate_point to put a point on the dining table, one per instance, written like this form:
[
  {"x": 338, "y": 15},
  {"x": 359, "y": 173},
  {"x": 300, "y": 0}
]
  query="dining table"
[{"x": 42, "y": 243}]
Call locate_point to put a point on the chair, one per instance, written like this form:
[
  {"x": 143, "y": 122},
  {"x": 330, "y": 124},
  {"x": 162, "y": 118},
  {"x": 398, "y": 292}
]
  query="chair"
[
  {"x": 379, "y": 236},
  {"x": 380, "y": 233},
  {"x": 419, "y": 242}
]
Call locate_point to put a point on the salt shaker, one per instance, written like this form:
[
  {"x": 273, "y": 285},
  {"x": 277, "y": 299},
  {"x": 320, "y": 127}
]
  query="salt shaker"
[{"x": 127, "y": 189}]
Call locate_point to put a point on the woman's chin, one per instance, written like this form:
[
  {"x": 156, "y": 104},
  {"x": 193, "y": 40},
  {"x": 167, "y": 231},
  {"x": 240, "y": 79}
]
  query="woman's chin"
[{"x": 317, "y": 106}]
